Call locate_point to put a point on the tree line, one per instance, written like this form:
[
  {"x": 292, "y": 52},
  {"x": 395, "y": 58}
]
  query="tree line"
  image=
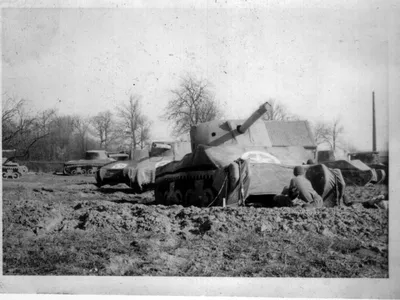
[{"x": 48, "y": 135}]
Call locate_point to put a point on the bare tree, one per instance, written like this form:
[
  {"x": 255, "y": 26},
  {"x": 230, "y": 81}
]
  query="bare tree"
[
  {"x": 193, "y": 102},
  {"x": 103, "y": 126},
  {"x": 81, "y": 126},
  {"x": 144, "y": 131},
  {"x": 11, "y": 108},
  {"x": 278, "y": 112},
  {"x": 337, "y": 130},
  {"x": 328, "y": 133},
  {"x": 322, "y": 133},
  {"x": 133, "y": 122},
  {"x": 21, "y": 130},
  {"x": 61, "y": 137}
]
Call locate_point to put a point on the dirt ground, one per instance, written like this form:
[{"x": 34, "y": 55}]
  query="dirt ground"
[{"x": 65, "y": 225}]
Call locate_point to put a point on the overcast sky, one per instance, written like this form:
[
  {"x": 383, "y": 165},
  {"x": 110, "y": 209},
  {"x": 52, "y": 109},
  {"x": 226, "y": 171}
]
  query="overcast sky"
[{"x": 320, "y": 59}]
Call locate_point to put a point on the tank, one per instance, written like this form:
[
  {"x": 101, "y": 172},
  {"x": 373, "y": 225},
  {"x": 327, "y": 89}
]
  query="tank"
[
  {"x": 360, "y": 168},
  {"x": 232, "y": 163},
  {"x": 11, "y": 169},
  {"x": 140, "y": 174},
  {"x": 94, "y": 159},
  {"x": 373, "y": 160},
  {"x": 325, "y": 156}
]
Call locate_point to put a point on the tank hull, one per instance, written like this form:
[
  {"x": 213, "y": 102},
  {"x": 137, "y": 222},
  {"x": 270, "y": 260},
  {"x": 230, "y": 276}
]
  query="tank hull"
[
  {"x": 114, "y": 173},
  {"x": 140, "y": 174},
  {"x": 218, "y": 173},
  {"x": 354, "y": 172},
  {"x": 11, "y": 172},
  {"x": 84, "y": 167}
]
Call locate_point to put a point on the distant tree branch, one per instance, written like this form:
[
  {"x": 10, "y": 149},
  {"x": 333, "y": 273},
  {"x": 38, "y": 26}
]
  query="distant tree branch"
[{"x": 191, "y": 103}]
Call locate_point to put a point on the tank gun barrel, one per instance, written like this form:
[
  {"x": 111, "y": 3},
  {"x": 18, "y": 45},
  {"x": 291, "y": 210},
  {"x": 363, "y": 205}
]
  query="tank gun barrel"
[{"x": 254, "y": 117}]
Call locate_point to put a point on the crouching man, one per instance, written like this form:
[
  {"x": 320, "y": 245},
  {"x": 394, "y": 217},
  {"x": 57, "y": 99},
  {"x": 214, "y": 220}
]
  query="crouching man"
[{"x": 300, "y": 187}]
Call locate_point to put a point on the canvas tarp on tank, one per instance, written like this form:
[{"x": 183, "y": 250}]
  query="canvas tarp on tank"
[
  {"x": 270, "y": 168},
  {"x": 268, "y": 178},
  {"x": 140, "y": 154},
  {"x": 328, "y": 183},
  {"x": 219, "y": 157},
  {"x": 354, "y": 172},
  {"x": 145, "y": 172}
]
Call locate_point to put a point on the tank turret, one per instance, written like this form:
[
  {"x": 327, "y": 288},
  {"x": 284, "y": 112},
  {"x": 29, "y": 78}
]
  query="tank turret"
[
  {"x": 254, "y": 117},
  {"x": 218, "y": 132}
]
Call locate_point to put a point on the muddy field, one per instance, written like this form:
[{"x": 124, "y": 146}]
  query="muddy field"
[{"x": 61, "y": 225}]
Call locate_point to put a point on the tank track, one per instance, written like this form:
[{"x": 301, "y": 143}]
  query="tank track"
[
  {"x": 186, "y": 189},
  {"x": 81, "y": 169},
  {"x": 203, "y": 188},
  {"x": 11, "y": 172}
]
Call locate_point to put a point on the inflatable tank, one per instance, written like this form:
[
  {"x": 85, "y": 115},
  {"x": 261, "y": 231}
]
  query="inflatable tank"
[
  {"x": 94, "y": 159},
  {"x": 373, "y": 160},
  {"x": 10, "y": 168},
  {"x": 232, "y": 162},
  {"x": 140, "y": 174}
]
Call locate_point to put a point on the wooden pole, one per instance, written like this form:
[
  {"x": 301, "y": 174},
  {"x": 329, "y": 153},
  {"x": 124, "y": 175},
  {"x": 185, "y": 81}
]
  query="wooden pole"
[{"x": 373, "y": 123}]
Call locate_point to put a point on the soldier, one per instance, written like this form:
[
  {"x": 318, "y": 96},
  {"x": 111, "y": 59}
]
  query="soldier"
[{"x": 301, "y": 188}]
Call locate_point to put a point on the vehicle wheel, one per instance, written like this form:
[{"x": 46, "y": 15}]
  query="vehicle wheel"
[
  {"x": 4, "y": 175},
  {"x": 83, "y": 171},
  {"x": 73, "y": 172},
  {"x": 90, "y": 172},
  {"x": 207, "y": 197},
  {"x": 15, "y": 175},
  {"x": 189, "y": 199},
  {"x": 177, "y": 197},
  {"x": 165, "y": 200}
]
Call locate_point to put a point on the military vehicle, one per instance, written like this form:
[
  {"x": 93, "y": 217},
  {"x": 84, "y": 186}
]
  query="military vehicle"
[
  {"x": 140, "y": 174},
  {"x": 93, "y": 160},
  {"x": 354, "y": 172},
  {"x": 119, "y": 156},
  {"x": 360, "y": 168},
  {"x": 232, "y": 162},
  {"x": 373, "y": 159},
  {"x": 11, "y": 169}
]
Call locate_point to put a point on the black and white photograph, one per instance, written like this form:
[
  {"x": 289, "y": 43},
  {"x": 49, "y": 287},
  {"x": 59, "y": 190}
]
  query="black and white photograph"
[{"x": 200, "y": 148}]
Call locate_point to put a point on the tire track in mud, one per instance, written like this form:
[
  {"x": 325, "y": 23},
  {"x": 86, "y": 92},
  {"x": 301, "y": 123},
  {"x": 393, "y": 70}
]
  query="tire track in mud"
[{"x": 78, "y": 229}]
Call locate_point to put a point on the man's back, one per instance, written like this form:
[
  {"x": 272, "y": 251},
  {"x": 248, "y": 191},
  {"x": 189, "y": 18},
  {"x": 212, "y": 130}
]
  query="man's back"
[{"x": 303, "y": 185}]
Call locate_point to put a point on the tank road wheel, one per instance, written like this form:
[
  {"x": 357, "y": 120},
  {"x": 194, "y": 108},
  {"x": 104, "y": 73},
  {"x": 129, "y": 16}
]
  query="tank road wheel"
[
  {"x": 176, "y": 198},
  {"x": 73, "y": 172},
  {"x": 207, "y": 197},
  {"x": 15, "y": 175},
  {"x": 4, "y": 175},
  {"x": 90, "y": 171},
  {"x": 159, "y": 195},
  {"x": 189, "y": 198},
  {"x": 165, "y": 200},
  {"x": 83, "y": 171}
]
